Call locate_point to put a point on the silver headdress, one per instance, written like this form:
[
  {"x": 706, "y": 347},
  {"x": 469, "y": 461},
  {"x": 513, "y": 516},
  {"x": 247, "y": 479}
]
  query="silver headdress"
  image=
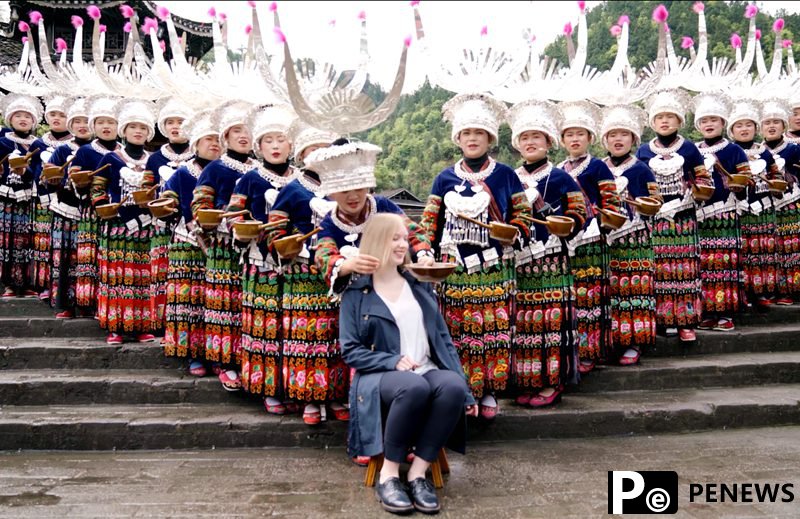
[
  {"x": 673, "y": 101},
  {"x": 302, "y": 136},
  {"x": 77, "y": 107},
  {"x": 579, "y": 114},
  {"x": 136, "y": 111},
  {"x": 623, "y": 117},
  {"x": 199, "y": 125},
  {"x": 744, "y": 109},
  {"x": 708, "y": 104},
  {"x": 775, "y": 108},
  {"x": 14, "y": 102},
  {"x": 228, "y": 115},
  {"x": 102, "y": 106},
  {"x": 346, "y": 167},
  {"x": 171, "y": 107},
  {"x": 55, "y": 103},
  {"x": 533, "y": 115},
  {"x": 269, "y": 119},
  {"x": 480, "y": 111}
]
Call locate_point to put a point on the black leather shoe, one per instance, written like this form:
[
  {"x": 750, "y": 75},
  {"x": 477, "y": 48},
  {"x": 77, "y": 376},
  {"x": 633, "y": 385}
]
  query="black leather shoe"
[
  {"x": 424, "y": 496},
  {"x": 393, "y": 496}
]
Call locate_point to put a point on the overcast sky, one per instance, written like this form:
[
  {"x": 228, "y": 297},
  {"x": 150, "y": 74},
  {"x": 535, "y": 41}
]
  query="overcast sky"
[{"x": 449, "y": 25}]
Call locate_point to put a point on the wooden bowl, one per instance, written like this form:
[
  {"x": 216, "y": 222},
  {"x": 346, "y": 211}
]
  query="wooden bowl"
[
  {"x": 777, "y": 185},
  {"x": 209, "y": 218},
  {"x": 702, "y": 193},
  {"x": 81, "y": 178},
  {"x": 19, "y": 162},
  {"x": 612, "y": 219},
  {"x": 289, "y": 246},
  {"x": 503, "y": 232},
  {"x": 142, "y": 197},
  {"x": 51, "y": 172},
  {"x": 162, "y": 207},
  {"x": 560, "y": 225},
  {"x": 739, "y": 180},
  {"x": 647, "y": 205},
  {"x": 432, "y": 273},
  {"x": 107, "y": 211},
  {"x": 247, "y": 230}
]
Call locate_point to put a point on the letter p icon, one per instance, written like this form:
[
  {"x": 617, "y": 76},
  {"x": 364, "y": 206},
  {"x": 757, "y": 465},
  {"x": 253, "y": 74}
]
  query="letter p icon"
[{"x": 617, "y": 494}]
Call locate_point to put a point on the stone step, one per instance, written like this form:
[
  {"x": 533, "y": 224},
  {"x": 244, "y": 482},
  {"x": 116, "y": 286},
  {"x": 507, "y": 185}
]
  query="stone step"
[
  {"x": 114, "y": 387},
  {"x": 761, "y": 338},
  {"x": 25, "y": 307},
  {"x": 241, "y": 424},
  {"x": 49, "y": 327},
  {"x": 81, "y": 353},
  {"x": 697, "y": 371}
]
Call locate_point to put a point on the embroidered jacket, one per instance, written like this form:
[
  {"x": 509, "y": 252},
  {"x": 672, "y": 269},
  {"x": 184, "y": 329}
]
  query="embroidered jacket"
[
  {"x": 761, "y": 162},
  {"x": 641, "y": 181},
  {"x": 559, "y": 195},
  {"x": 118, "y": 181},
  {"x": 215, "y": 185},
  {"x": 723, "y": 156},
  {"x": 13, "y": 185},
  {"x": 675, "y": 167},
  {"x": 457, "y": 192},
  {"x": 180, "y": 187},
  {"x": 159, "y": 160}
]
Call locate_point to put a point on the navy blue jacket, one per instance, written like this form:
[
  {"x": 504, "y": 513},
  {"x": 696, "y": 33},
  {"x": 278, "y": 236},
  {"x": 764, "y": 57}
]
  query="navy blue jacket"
[{"x": 370, "y": 342}]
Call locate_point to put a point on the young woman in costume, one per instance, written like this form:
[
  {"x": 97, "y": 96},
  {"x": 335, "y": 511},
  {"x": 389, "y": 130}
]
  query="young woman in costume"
[
  {"x": 578, "y": 131},
  {"x": 717, "y": 220},
  {"x": 123, "y": 300},
  {"x": 544, "y": 343},
  {"x": 23, "y": 114},
  {"x": 631, "y": 265},
  {"x": 185, "y": 326},
  {"x": 678, "y": 166},
  {"x": 477, "y": 297},
  {"x": 223, "y": 300}
]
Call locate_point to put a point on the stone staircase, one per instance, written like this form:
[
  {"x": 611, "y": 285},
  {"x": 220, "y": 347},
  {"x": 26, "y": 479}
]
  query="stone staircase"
[{"x": 62, "y": 387}]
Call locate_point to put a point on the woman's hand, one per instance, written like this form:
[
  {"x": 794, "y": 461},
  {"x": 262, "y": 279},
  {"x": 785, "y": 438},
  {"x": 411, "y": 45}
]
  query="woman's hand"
[
  {"x": 472, "y": 410},
  {"x": 363, "y": 264},
  {"x": 405, "y": 364},
  {"x": 425, "y": 261}
]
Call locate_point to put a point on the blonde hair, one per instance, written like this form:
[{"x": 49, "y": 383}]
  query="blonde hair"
[{"x": 378, "y": 235}]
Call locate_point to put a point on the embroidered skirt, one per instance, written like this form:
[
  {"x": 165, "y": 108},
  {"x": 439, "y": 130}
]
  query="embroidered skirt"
[
  {"x": 223, "y": 306},
  {"x": 760, "y": 254},
  {"x": 42, "y": 239},
  {"x": 543, "y": 343},
  {"x": 676, "y": 251},
  {"x": 720, "y": 249},
  {"x": 159, "y": 265},
  {"x": 633, "y": 302},
  {"x": 87, "y": 275},
  {"x": 16, "y": 244},
  {"x": 65, "y": 263},
  {"x": 184, "y": 335},
  {"x": 262, "y": 291},
  {"x": 123, "y": 299},
  {"x": 477, "y": 309},
  {"x": 788, "y": 241},
  {"x": 592, "y": 313},
  {"x": 313, "y": 369}
]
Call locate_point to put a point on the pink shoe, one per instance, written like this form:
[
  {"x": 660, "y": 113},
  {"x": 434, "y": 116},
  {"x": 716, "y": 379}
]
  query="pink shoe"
[
  {"x": 524, "y": 399},
  {"x": 114, "y": 338},
  {"x": 230, "y": 380},
  {"x": 687, "y": 335},
  {"x": 197, "y": 369},
  {"x": 542, "y": 401},
  {"x": 9, "y": 293},
  {"x": 145, "y": 337},
  {"x": 44, "y": 296},
  {"x": 724, "y": 325},
  {"x": 66, "y": 314}
]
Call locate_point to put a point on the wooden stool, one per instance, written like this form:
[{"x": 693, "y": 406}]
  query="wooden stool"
[{"x": 438, "y": 467}]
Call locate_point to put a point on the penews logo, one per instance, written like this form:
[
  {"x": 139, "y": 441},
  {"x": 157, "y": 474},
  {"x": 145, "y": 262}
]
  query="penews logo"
[{"x": 642, "y": 492}]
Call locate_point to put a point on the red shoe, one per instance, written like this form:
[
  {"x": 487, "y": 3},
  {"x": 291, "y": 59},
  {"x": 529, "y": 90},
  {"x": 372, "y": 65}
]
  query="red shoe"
[
  {"x": 197, "y": 369},
  {"x": 9, "y": 292},
  {"x": 543, "y": 401},
  {"x": 274, "y": 406},
  {"x": 585, "y": 367},
  {"x": 687, "y": 335},
  {"x": 114, "y": 338},
  {"x": 764, "y": 302},
  {"x": 230, "y": 380},
  {"x": 361, "y": 461},
  {"x": 66, "y": 314},
  {"x": 784, "y": 301},
  {"x": 488, "y": 412},
  {"x": 44, "y": 296},
  {"x": 30, "y": 293},
  {"x": 724, "y": 325},
  {"x": 524, "y": 399},
  {"x": 312, "y": 415},
  {"x": 707, "y": 324},
  {"x": 340, "y": 412},
  {"x": 626, "y": 360},
  {"x": 145, "y": 337}
]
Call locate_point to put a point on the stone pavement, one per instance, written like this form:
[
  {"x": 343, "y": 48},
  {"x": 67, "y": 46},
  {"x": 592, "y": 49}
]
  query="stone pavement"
[{"x": 546, "y": 478}]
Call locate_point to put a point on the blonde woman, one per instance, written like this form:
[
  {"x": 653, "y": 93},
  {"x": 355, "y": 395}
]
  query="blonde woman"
[{"x": 394, "y": 336}]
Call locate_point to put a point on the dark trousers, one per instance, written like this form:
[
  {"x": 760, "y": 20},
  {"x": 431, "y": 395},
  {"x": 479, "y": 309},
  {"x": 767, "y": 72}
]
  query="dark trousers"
[{"x": 423, "y": 410}]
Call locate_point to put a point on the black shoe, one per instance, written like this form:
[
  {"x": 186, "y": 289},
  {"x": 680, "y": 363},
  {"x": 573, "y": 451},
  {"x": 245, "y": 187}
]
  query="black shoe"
[
  {"x": 424, "y": 496},
  {"x": 393, "y": 496}
]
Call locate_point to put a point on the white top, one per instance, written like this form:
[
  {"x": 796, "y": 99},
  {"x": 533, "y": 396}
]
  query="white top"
[{"x": 413, "y": 337}]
